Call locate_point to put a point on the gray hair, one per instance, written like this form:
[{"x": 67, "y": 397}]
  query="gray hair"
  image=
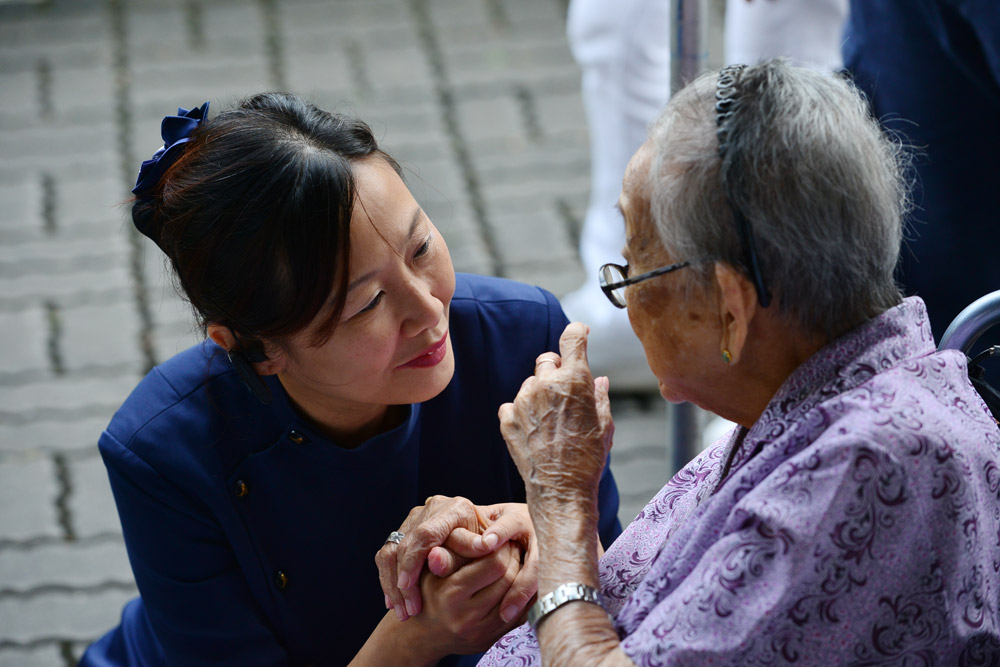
[{"x": 821, "y": 185}]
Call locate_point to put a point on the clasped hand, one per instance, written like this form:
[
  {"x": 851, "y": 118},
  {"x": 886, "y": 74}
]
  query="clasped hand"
[{"x": 482, "y": 568}]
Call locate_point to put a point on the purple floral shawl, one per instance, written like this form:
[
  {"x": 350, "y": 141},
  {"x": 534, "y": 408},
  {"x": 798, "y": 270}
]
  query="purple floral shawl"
[{"x": 860, "y": 524}]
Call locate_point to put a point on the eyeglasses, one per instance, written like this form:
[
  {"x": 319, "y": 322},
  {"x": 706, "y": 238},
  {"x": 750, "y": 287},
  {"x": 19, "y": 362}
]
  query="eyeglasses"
[{"x": 614, "y": 279}]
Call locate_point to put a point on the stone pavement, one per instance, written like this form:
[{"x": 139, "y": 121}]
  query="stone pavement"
[{"x": 479, "y": 99}]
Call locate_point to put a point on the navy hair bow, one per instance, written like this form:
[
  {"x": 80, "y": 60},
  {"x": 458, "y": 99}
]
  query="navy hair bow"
[{"x": 176, "y": 131}]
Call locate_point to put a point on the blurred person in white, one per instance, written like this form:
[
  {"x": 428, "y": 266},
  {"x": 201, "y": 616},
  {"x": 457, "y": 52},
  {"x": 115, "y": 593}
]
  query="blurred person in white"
[{"x": 623, "y": 50}]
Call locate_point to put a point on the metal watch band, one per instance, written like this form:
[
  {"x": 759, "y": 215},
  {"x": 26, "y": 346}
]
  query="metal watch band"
[{"x": 560, "y": 596}]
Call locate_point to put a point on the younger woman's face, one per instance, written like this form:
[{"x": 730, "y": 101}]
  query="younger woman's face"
[{"x": 392, "y": 344}]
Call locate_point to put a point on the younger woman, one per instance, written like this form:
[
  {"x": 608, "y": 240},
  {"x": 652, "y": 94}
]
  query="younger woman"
[{"x": 349, "y": 374}]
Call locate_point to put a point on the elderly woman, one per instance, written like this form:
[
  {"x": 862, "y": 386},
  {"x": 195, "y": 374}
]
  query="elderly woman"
[{"x": 852, "y": 515}]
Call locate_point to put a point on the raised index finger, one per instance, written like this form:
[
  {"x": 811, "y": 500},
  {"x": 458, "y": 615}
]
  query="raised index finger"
[{"x": 573, "y": 344}]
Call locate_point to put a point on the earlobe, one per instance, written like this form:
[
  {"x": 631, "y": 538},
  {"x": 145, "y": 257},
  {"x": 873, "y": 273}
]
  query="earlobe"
[
  {"x": 222, "y": 336},
  {"x": 737, "y": 305}
]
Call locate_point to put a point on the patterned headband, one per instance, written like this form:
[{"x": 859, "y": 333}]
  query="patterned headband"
[{"x": 727, "y": 103}]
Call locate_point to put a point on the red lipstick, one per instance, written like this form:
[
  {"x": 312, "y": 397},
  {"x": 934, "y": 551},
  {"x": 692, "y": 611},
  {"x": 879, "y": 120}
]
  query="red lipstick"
[{"x": 432, "y": 356}]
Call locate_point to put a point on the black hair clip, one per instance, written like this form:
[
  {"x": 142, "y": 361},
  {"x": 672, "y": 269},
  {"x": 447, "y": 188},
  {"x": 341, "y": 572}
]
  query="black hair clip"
[{"x": 244, "y": 368}]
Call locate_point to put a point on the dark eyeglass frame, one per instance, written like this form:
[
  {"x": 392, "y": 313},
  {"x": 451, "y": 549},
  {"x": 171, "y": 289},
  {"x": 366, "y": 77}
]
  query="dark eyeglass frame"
[{"x": 609, "y": 288}]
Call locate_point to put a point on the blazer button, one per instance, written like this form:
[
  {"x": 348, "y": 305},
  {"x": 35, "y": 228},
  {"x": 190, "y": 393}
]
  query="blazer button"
[
  {"x": 297, "y": 437},
  {"x": 241, "y": 488},
  {"x": 280, "y": 579}
]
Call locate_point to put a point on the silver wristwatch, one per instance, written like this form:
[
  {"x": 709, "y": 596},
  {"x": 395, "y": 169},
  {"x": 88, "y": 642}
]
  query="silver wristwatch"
[{"x": 560, "y": 596}]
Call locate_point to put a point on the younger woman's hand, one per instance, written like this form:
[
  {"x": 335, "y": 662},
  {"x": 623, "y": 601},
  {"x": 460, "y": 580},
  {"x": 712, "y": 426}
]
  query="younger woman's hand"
[
  {"x": 460, "y": 615},
  {"x": 506, "y": 523},
  {"x": 462, "y": 610}
]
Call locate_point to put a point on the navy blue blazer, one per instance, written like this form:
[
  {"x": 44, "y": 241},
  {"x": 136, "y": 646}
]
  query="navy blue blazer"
[{"x": 252, "y": 537}]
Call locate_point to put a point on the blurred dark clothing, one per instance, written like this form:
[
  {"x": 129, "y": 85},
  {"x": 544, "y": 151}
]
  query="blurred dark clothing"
[{"x": 931, "y": 69}]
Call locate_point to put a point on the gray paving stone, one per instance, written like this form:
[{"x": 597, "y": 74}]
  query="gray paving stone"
[
  {"x": 172, "y": 339},
  {"x": 91, "y": 503},
  {"x": 189, "y": 32},
  {"x": 450, "y": 16},
  {"x": 515, "y": 32},
  {"x": 44, "y": 31},
  {"x": 304, "y": 37},
  {"x": 75, "y": 615},
  {"x": 81, "y": 85},
  {"x": 317, "y": 76},
  {"x": 99, "y": 198},
  {"x": 548, "y": 161},
  {"x": 388, "y": 67},
  {"x": 100, "y": 336},
  {"x": 559, "y": 276},
  {"x": 164, "y": 87},
  {"x": 345, "y": 16},
  {"x": 528, "y": 63},
  {"x": 64, "y": 564},
  {"x": 435, "y": 181},
  {"x": 469, "y": 253},
  {"x": 20, "y": 92},
  {"x": 486, "y": 119},
  {"x": 501, "y": 194},
  {"x": 65, "y": 288},
  {"x": 64, "y": 435},
  {"x": 41, "y": 656},
  {"x": 28, "y": 492},
  {"x": 88, "y": 395},
  {"x": 562, "y": 112},
  {"x": 23, "y": 341},
  {"x": 529, "y": 237},
  {"x": 42, "y": 146},
  {"x": 451, "y": 216},
  {"x": 57, "y": 255},
  {"x": 640, "y": 456},
  {"x": 550, "y": 14},
  {"x": 21, "y": 203}
]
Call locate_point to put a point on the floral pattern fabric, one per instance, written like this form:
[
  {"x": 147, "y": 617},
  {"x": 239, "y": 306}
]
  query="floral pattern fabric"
[{"x": 859, "y": 525}]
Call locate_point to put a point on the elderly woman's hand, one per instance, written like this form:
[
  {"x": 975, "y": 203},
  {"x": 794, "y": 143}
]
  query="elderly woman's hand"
[
  {"x": 426, "y": 526},
  {"x": 559, "y": 427},
  {"x": 444, "y": 533}
]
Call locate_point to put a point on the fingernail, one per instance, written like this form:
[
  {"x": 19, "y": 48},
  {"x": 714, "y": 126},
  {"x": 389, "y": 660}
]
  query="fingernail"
[
  {"x": 508, "y": 612},
  {"x": 409, "y": 608},
  {"x": 404, "y": 580},
  {"x": 490, "y": 540},
  {"x": 400, "y": 614},
  {"x": 388, "y": 602}
]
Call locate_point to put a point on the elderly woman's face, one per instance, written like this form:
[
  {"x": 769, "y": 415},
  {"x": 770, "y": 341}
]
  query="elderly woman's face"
[{"x": 678, "y": 333}]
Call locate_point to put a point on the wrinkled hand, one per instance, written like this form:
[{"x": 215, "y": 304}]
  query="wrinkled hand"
[
  {"x": 426, "y": 526},
  {"x": 559, "y": 427},
  {"x": 445, "y": 533}
]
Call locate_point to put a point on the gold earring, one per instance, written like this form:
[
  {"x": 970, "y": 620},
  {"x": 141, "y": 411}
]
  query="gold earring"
[{"x": 726, "y": 356}]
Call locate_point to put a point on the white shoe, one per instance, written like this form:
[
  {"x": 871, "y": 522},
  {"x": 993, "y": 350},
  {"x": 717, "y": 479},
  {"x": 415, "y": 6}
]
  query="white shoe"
[{"x": 612, "y": 347}]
